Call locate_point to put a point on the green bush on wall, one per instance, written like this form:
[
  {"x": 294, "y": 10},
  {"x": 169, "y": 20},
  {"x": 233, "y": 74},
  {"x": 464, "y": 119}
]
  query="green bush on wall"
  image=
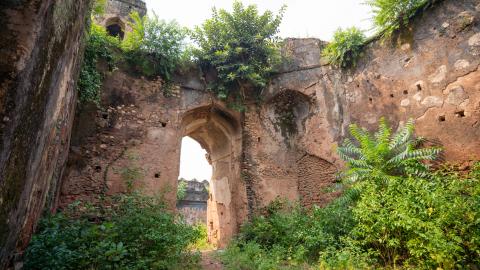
[
  {"x": 345, "y": 48},
  {"x": 99, "y": 46},
  {"x": 241, "y": 48},
  {"x": 154, "y": 47}
]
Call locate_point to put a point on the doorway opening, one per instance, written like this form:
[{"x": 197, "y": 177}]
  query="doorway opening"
[
  {"x": 193, "y": 188},
  {"x": 218, "y": 132},
  {"x": 193, "y": 182},
  {"x": 115, "y": 28}
]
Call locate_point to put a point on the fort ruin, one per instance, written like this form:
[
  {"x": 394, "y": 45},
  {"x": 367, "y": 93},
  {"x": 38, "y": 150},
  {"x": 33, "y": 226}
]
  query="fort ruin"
[{"x": 429, "y": 73}]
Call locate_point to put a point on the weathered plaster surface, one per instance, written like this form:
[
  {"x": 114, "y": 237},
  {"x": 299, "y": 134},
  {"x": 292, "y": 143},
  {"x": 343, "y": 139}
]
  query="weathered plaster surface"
[{"x": 40, "y": 54}]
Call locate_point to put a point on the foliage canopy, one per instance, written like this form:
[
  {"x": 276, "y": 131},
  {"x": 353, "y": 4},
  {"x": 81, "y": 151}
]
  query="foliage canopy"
[
  {"x": 154, "y": 47},
  {"x": 241, "y": 47}
]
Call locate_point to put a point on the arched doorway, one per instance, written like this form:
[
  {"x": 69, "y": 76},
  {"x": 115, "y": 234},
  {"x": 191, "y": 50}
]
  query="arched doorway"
[
  {"x": 115, "y": 27},
  {"x": 219, "y": 133}
]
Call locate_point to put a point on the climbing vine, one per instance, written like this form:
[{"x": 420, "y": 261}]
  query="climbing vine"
[{"x": 100, "y": 46}]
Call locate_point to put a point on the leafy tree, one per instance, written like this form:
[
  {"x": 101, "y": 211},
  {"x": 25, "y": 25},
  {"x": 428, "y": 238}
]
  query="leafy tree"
[
  {"x": 390, "y": 15},
  {"x": 385, "y": 154},
  {"x": 181, "y": 190},
  {"x": 241, "y": 47},
  {"x": 154, "y": 47},
  {"x": 345, "y": 48}
]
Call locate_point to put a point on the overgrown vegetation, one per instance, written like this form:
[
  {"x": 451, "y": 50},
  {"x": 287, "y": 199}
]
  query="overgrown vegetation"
[
  {"x": 202, "y": 241},
  {"x": 391, "y": 15},
  {"x": 100, "y": 46},
  {"x": 240, "y": 48},
  {"x": 154, "y": 47},
  {"x": 345, "y": 48},
  {"x": 394, "y": 212},
  {"x": 133, "y": 232},
  {"x": 181, "y": 190}
]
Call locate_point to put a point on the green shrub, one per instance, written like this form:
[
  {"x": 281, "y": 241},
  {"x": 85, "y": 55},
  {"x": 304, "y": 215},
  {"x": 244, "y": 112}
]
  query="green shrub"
[
  {"x": 134, "y": 233},
  {"x": 100, "y": 46},
  {"x": 390, "y": 15},
  {"x": 383, "y": 154},
  {"x": 407, "y": 215},
  {"x": 202, "y": 241},
  {"x": 241, "y": 48},
  {"x": 154, "y": 47},
  {"x": 181, "y": 190},
  {"x": 287, "y": 236},
  {"x": 422, "y": 223},
  {"x": 392, "y": 214},
  {"x": 345, "y": 48}
]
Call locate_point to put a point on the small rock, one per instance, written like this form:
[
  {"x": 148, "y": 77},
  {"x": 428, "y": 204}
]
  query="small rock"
[
  {"x": 432, "y": 101},
  {"x": 445, "y": 24},
  {"x": 119, "y": 107},
  {"x": 103, "y": 146},
  {"x": 474, "y": 40},
  {"x": 461, "y": 64},
  {"x": 418, "y": 97},
  {"x": 6, "y": 119},
  {"x": 439, "y": 74},
  {"x": 405, "y": 102},
  {"x": 134, "y": 142},
  {"x": 133, "y": 111},
  {"x": 457, "y": 95},
  {"x": 463, "y": 20},
  {"x": 405, "y": 46}
]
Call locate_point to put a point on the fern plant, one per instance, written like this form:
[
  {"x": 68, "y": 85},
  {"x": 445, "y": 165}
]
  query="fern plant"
[
  {"x": 385, "y": 154},
  {"x": 390, "y": 15}
]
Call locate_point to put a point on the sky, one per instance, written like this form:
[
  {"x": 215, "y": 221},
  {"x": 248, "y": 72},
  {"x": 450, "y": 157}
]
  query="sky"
[
  {"x": 302, "y": 18},
  {"x": 193, "y": 163}
]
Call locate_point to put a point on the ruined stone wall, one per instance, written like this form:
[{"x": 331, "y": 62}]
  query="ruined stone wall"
[
  {"x": 117, "y": 12},
  {"x": 40, "y": 54},
  {"x": 123, "y": 8},
  {"x": 285, "y": 146},
  {"x": 430, "y": 73},
  {"x": 193, "y": 207},
  {"x": 133, "y": 143}
]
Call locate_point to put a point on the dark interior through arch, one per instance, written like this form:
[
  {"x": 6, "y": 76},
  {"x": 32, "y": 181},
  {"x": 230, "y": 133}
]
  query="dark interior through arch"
[{"x": 115, "y": 30}]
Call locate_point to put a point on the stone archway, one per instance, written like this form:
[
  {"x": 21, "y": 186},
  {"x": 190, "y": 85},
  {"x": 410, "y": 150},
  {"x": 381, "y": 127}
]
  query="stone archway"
[
  {"x": 219, "y": 133},
  {"x": 115, "y": 27}
]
